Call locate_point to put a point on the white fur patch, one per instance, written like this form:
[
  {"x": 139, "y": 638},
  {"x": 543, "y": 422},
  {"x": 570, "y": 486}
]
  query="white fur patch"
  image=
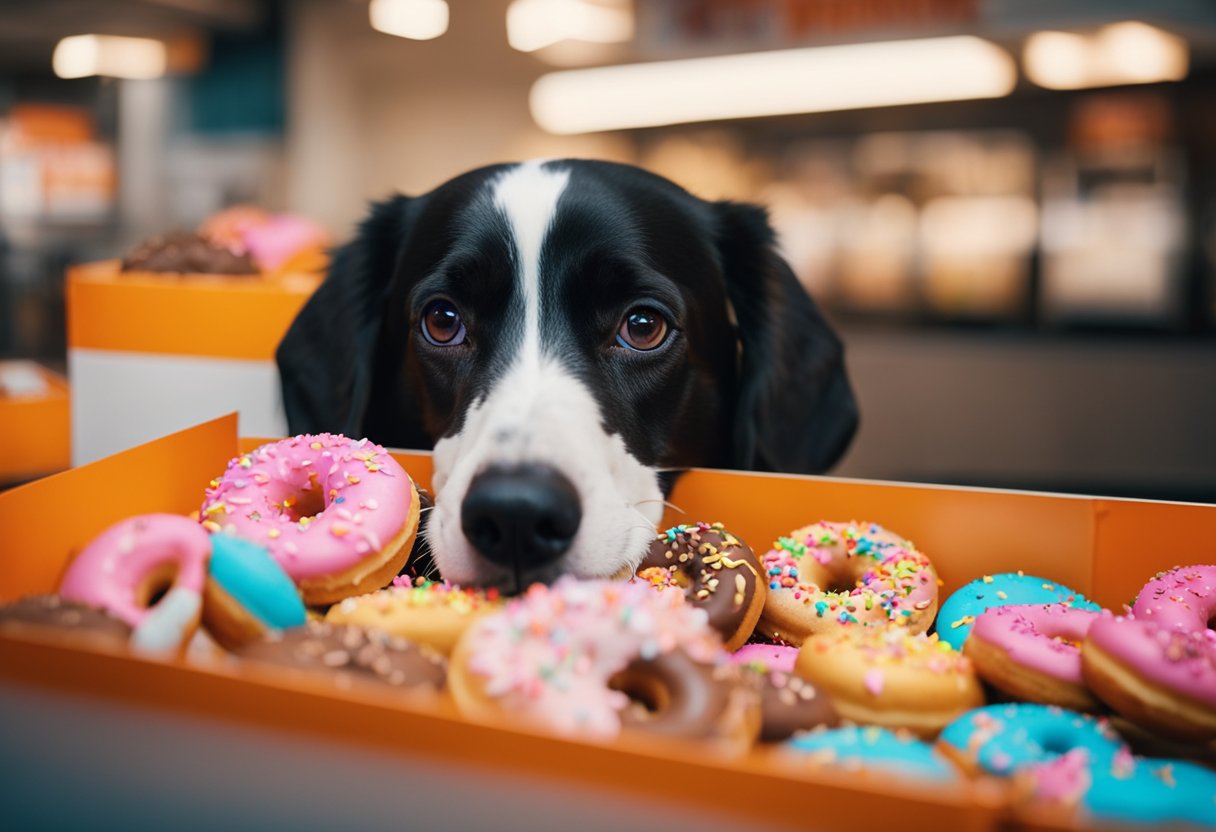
[{"x": 539, "y": 413}]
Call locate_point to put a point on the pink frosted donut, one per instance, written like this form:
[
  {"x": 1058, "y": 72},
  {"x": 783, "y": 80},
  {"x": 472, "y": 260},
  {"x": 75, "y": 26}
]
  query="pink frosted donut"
[
  {"x": 1033, "y": 651},
  {"x": 148, "y": 571},
  {"x": 773, "y": 657},
  {"x": 339, "y": 516},
  {"x": 1156, "y": 676},
  {"x": 1184, "y": 598}
]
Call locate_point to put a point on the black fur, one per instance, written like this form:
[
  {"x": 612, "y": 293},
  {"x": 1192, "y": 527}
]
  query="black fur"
[{"x": 771, "y": 394}]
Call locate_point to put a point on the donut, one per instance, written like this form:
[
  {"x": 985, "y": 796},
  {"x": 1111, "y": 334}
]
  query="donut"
[
  {"x": 1183, "y": 598},
  {"x": 338, "y": 515},
  {"x": 788, "y": 703},
  {"x": 349, "y": 657},
  {"x": 53, "y": 617},
  {"x": 1125, "y": 790},
  {"x": 959, "y": 611},
  {"x": 1157, "y": 676},
  {"x": 425, "y": 612},
  {"x": 828, "y": 575},
  {"x": 891, "y": 678},
  {"x": 247, "y": 593},
  {"x": 149, "y": 572},
  {"x": 1033, "y": 652},
  {"x": 871, "y": 750},
  {"x": 598, "y": 659},
  {"x": 716, "y": 571},
  {"x": 1002, "y": 739}
]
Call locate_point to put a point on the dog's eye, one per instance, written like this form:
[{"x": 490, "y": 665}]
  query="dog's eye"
[
  {"x": 643, "y": 329},
  {"x": 441, "y": 324}
]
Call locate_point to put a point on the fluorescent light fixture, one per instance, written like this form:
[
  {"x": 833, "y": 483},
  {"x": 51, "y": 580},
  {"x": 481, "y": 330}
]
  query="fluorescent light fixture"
[
  {"x": 535, "y": 24},
  {"x": 783, "y": 82},
  {"x": 80, "y": 56},
  {"x": 413, "y": 19},
  {"x": 1120, "y": 53}
]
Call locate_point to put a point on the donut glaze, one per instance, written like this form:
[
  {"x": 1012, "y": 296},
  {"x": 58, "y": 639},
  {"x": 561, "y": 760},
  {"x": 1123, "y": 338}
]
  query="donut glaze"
[
  {"x": 788, "y": 703},
  {"x": 562, "y": 657},
  {"x": 717, "y": 572},
  {"x": 1155, "y": 675},
  {"x": 1153, "y": 792},
  {"x": 248, "y": 593},
  {"x": 779, "y": 657},
  {"x": 874, "y": 749},
  {"x": 53, "y": 616},
  {"x": 830, "y": 575},
  {"x": 125, "y": 567},
  {"x": 1184, "y": 598},
  {"x": 959, "y": 611},
  {"x": 425, "y": 612},
  {"x": 1001, "y": 739},
  {"x": 330, "y": 510},
  {"x": 1032, "y": 651}
]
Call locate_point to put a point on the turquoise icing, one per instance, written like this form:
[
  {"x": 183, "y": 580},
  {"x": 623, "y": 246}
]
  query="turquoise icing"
[
  {"x": 247, "y": 572},
  {"x": 1154, "y": 791},
  {"x": 979, "y": 595},
  {"x": 1005, "y": 738},
  {"x": 876, "y": 748}
]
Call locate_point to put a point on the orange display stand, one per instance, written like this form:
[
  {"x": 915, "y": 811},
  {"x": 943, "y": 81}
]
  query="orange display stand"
[
  {"x": 35, "y": 434},
  {"x": 1102, "y": 547}
]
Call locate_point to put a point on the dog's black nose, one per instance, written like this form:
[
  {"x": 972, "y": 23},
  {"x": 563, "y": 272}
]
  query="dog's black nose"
[{"x": 522, "y": 516}]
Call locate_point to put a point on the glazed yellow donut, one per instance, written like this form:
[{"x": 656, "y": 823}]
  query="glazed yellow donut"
[{"x": 888, "y": 677}]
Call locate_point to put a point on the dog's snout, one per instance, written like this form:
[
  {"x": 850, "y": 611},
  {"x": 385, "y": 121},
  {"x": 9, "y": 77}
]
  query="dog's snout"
[{"x": 522, "y": 516}]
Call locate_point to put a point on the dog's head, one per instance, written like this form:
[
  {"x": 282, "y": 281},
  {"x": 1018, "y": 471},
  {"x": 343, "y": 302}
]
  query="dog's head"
[{"x": 562, "y": 333}]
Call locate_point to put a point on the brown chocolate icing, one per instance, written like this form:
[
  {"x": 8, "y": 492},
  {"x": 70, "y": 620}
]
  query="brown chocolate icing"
[
  {"x": 789, "y": 704},
  {"x": 674, "y": 695},
  {"x": 185, "y": 252},
  {"x": 350, "y": 655},
  {"x": 718, "y": 571},
  {"x": 47, "y": 614}
]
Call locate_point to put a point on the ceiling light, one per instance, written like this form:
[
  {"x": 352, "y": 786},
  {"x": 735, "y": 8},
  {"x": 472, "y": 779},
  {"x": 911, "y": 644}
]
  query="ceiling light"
[
  {"x": 1120, "y": 53},
  {"x": 80, "y": 56},
  {"x": 536, "y": 24},
  {"x": 772, "y": 83},
  {"x": 413, "y": 19}
]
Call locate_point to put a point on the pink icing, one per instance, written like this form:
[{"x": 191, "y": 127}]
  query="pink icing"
[
  {"x": 1028, "y": 633},
  {"x": 363, "y": 495},
  {"x": 774, "y": 657},
  {"x": 1184, "y": 598},
  {"x": 1064, "y": 779},
  {"x": 113, "y": 568},
  {"x": 550, "y": 653},
  {"x": 273, "y": 242},
  {"x": 1184, "y": 662}
]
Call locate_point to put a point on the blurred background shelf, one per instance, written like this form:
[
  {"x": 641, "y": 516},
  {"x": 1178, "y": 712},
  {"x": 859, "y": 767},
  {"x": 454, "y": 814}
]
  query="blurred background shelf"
[{"x": 1026, "y": 278}]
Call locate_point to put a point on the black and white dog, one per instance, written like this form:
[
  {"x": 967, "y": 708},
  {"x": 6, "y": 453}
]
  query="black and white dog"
[{"x": 562, "y": 333}]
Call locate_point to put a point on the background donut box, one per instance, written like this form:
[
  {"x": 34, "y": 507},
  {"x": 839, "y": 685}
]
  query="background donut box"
[{"x": 1105, "y": 548}]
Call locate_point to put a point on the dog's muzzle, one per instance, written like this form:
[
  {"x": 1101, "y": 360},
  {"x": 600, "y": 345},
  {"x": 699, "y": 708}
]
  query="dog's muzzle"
[{"x": 521, "y": 517}]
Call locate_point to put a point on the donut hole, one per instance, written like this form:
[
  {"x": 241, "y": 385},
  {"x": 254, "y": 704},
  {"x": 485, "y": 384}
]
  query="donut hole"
[
  {"x": 1058, "y": 744},
  {"x": 156, "y": 585},
  {"x": 647, "y": 693},
  {"x": 304, "y": 504}
]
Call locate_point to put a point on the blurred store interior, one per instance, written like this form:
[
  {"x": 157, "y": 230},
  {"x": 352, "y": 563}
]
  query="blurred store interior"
[{"x": 1007, "y": 206}]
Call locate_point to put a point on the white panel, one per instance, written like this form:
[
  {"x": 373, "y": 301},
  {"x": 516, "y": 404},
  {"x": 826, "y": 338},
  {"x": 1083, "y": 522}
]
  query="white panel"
[{"x": 122, "y": 399}]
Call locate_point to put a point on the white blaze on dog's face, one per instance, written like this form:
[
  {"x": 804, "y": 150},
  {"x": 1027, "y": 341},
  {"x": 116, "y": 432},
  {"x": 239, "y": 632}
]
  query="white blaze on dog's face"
[{"x": 539, "y": 413}]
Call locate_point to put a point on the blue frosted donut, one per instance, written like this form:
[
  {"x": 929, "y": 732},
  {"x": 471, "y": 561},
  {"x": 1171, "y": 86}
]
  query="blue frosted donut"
[
  {"x": 1153, "y": 792},
  {"x": 1000, "y": 739},
  {"x": 956, "y": 616},
  {"x": 875, "y": 749},
  {"x": 247, "y": 592}
]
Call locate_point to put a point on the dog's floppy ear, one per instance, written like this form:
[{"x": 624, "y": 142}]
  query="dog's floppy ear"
[
  {"x": 326, "y": 358},
  {"x": 795, "y": 411}
]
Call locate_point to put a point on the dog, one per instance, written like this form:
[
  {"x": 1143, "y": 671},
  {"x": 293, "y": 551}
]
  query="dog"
[{"x": 565, "y": 334}]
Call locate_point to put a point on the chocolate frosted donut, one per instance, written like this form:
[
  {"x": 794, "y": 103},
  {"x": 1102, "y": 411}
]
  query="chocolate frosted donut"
[
  {"x": 44, "y": 615},
  {"x": 185, "y": 252},
  {"x": 350, "y": 656},
  {"x": 788, "y": 703},
  {"x": 675, "y": 695},
  {"x": 718, "y": 572}
]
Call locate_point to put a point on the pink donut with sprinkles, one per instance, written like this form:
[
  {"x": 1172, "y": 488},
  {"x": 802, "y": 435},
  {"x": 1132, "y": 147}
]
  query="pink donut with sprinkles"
[
  {"x": 340, "y": 516},
  {"x": 1183, "y": 599},
  {"x": 149, "y": 572},
  {"x": 1033, "y": 652}
]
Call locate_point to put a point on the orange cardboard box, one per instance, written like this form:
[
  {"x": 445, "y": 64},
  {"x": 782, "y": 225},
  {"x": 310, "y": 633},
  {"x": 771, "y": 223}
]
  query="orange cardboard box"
[
  {"x": 35, "y": 435},
  {"x": 1105, "y": 548}
]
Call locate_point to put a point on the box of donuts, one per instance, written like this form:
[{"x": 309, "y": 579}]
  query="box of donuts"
[
  {"x": 34, "y": 404},
  {"x": 186, "y": 326},
  {"x": 789, "y": 652}
]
